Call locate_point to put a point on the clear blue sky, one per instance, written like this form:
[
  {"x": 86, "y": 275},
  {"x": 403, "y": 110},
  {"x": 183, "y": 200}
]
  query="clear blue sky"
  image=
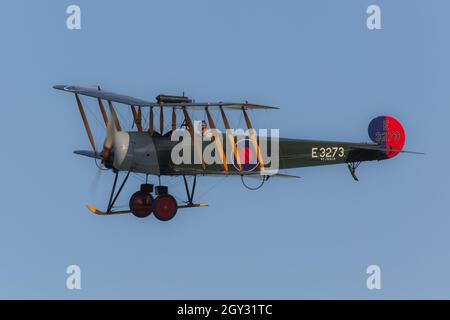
[{"x": 310, "y": 238}]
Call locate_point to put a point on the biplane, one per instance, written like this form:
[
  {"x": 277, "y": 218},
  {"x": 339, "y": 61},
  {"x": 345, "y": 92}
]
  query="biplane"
[{"x": 149, "y": 150}]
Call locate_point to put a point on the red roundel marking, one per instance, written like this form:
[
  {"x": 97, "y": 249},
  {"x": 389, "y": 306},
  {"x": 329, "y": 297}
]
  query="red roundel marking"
[
  {"x": 247, "y": 156},
  {"x": 395, "y": 136},
  {"x": 388, "y": 133}
]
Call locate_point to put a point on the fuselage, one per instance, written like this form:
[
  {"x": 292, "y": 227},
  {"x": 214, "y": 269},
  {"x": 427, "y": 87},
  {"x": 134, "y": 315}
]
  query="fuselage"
[{"x": 139, "y": 152}]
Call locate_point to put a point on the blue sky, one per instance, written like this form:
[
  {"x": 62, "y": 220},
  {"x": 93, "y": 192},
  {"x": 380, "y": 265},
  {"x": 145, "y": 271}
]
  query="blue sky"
[{"x": 308, "y": 238}]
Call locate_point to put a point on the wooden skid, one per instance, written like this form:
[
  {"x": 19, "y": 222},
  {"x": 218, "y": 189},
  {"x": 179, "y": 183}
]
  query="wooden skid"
[
  {"x": 194, "y": 205},
  {"x": 102, "y": 213}
]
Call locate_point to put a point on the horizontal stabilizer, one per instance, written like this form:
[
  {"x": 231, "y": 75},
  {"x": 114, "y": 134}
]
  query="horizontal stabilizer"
[{"x": 381, "y": 149}]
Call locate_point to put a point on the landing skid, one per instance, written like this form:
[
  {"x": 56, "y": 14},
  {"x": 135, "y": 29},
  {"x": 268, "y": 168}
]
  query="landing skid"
[
  {"x": 194, "y": 205},
  {"x": 102, "y": 213}
]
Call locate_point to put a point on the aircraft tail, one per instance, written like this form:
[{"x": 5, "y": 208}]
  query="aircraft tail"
[{"x": 388, "y": 133}]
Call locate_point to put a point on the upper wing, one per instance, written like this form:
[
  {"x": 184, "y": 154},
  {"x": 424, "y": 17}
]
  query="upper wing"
[
  {"x": 120, "y": 98},
  {"x": 105, "y": 95}
]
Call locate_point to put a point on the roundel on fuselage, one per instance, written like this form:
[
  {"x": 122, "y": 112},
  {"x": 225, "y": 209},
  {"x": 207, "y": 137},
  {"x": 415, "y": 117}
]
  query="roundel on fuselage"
[{"x": 247, "y": 156}]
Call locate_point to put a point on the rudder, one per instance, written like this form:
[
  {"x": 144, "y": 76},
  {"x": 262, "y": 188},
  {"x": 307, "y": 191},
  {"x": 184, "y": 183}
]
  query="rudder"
[{"x": 388, "y": 133}]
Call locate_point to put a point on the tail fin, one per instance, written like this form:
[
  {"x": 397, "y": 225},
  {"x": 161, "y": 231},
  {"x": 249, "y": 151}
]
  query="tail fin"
[{"x": 388, "y": 133}]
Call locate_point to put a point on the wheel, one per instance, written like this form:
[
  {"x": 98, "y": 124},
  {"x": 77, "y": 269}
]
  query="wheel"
[
  {"x": 141, "y": 204},
  {"x": 165, "y": 207}
]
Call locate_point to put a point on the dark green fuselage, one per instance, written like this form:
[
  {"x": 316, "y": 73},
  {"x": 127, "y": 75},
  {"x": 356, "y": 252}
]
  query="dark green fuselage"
[{"x": 293, "y": 153}]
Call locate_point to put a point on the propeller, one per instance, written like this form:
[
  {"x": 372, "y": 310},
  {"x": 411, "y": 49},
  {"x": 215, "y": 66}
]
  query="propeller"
[
  {"x": 110, "y": 157},
  {"x": 109, "y": 140},
  {"x": 104, "y": 160}
]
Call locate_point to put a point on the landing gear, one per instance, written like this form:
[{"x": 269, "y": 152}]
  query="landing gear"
[
  {"x": 165, "y": 207},
  {"x": 141, "y": 202},
  {"x": 190, "y": 194},
  {"x": 352, "y": 166},
  {"x": 112, "y": 198}
]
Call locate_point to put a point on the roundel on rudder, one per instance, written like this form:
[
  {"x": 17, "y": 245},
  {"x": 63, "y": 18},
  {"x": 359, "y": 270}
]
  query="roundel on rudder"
[{"x": 388, "y": 133}]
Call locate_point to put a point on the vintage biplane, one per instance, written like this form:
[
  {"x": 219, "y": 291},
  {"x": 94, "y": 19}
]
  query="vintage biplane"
[{"x": 147, "y": 150}]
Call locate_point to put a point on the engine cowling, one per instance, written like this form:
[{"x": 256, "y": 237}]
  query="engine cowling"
[{"x": 135, "y": 151}]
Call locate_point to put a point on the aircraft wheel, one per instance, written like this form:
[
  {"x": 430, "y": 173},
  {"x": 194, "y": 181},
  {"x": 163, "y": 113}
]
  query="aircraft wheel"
[
  {"x": 141, "y": 204},
  {"x": 165, "y": 207}
]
